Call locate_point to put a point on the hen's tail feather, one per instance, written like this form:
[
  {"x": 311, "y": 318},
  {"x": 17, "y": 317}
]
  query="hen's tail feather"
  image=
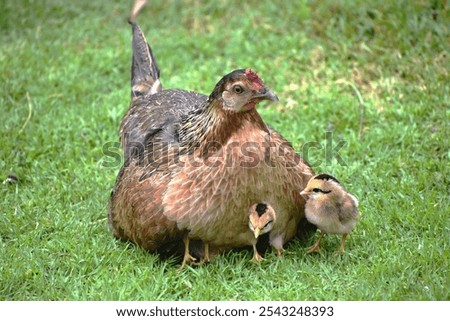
[
  {"x": 137, "y": 6},
  {"x": 144, "y": 70}
]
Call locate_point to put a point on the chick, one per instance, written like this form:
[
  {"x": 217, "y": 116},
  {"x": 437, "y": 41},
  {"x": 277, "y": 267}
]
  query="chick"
[
  {"x": 330, "y": 207},
  {"x": 261, "y": 219}
]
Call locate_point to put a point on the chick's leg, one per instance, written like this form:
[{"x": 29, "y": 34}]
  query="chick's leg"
[
  {"x": 187, "y": 257},
  {"x": 257, "y": 258},
  {"x": 277, "y": 244},
  {"x": 342, "y": 247},
  {"x": 279, "y": 252},
  {"x": 316, "y": 246}
]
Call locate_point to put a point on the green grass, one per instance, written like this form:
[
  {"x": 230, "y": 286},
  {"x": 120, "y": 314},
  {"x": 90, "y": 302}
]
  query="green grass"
[{"x": 64, "y": 86}]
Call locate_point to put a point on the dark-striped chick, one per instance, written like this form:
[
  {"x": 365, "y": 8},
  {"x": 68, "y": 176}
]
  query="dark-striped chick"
[
  {"x": 261, "y": 219},
  {"x": 330, "y": 207}
]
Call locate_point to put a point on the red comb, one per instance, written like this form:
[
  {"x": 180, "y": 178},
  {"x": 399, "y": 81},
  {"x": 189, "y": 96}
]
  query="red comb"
[{"x": 253, "y": 77}]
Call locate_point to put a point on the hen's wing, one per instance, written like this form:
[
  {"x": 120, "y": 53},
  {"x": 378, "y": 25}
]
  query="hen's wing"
[
  {"x": 155, "y": 119},
  {"x": 135, "y": 212}
]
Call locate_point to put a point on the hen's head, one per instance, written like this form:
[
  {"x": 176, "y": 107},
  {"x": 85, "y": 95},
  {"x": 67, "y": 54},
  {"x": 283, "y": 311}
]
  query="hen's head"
[{"x": 241, "y": 90}]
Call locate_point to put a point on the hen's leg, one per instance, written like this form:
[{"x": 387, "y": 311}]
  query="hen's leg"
[
  {"x": 206, "y": 258},
  {"x": 187, "y": 257}
]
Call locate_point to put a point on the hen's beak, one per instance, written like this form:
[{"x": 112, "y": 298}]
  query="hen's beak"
[
  {"x": 266, "y": 94},
  {"x": 257, "y": 231}
]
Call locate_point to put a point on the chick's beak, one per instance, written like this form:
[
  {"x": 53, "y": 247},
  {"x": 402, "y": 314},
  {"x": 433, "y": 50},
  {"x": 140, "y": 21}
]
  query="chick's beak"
[
  {"x": 257, "y": 231},
  {"x": 305, "y": 194},
  {"x": 266, "y": 94}
]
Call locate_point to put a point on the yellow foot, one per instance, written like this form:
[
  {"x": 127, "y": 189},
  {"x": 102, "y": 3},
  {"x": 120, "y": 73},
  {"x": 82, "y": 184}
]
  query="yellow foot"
[
  {"x": 204, "y": 260},
  {"x": 314, "y": 248},
  {"x": 341, "y": 248},
  {"x": 279, "y": 252},
  {"x": 339, "y": 251},
  {"x": 257, "y": 258},
  {"x": 188, "y": 259}
]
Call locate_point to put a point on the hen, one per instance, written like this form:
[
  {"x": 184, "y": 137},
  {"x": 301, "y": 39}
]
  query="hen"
[{"x": 194, "y": 164}]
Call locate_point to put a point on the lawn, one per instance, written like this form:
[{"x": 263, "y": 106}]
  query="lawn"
[{"x": 364, "y": 95}]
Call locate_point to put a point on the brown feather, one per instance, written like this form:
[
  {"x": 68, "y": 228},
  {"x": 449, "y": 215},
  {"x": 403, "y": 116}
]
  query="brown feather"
[{"x": 202, "y": 166}]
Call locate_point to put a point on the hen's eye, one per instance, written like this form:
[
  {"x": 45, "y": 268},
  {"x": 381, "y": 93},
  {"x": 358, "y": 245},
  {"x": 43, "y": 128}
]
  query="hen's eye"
[{"x": 238, "y": 89}]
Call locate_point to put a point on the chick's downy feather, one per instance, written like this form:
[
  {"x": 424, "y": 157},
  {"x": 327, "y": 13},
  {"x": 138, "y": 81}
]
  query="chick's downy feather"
[{"x": 330, "y": 207}]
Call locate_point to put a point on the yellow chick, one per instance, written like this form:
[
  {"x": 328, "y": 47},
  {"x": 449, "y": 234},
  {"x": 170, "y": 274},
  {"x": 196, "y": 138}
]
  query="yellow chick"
[
  {"x": 330, "y": 207},
  {"x": 261, "y": 219}
]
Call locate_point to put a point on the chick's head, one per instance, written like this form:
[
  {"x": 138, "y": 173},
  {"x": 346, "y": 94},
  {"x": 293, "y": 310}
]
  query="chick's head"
[
  {"x": 322, "y": 187},
  {"x": 261, "y": 218}
]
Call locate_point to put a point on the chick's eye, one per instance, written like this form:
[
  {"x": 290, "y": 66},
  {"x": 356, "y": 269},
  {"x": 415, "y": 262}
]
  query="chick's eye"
[
  {"x": 317, "y": 190},
  {"x": 238, "y": 89},
  {"x": 267, "y": 224}
]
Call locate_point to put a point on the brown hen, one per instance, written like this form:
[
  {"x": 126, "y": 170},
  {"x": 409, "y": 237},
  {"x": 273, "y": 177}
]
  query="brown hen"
[{"x": 194, "y": 164}]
